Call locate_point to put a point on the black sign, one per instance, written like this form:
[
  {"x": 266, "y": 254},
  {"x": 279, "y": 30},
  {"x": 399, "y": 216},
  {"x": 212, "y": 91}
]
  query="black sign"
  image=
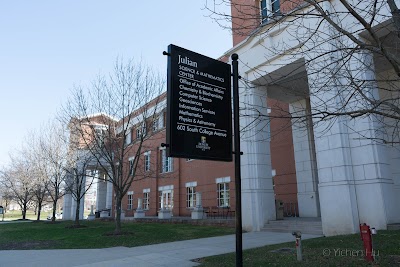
[{"x": 199, "y": 124}]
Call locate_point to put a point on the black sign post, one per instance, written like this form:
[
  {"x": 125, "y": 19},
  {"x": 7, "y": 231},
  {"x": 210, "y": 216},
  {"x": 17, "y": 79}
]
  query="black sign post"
[
  {"x": 238, "y": 177},
  {"x": 199, "y": 121}
]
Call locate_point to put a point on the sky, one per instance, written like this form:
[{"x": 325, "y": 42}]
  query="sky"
[{"x": 47, "y": 47}]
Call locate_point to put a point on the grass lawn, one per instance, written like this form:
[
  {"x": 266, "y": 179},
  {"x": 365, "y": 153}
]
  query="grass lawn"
[
  {"x": 325, "y": 251},
  {"x": 42, "y": 235}
]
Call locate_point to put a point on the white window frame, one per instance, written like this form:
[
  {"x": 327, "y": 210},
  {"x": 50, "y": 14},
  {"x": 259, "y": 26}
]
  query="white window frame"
[
  {"x": 223, "y": 192},
  {"x": 272, "y": 8},
  {"x": 130, "y": 200},
  {"x": 166, "y": 196},
  {"x": 191, "y": 194},
  {"x": 146, "y": 198},
  {"x": 166, "y": 162}
]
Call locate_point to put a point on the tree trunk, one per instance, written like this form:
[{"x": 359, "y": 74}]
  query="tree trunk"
[
  {"x": 77, "y": 210},
  {"x": 24, "y": 211},
  {"x": 118, "y": 215},
  {"x": 54, "y": 210},
  {"x": 39, "y": 209}
]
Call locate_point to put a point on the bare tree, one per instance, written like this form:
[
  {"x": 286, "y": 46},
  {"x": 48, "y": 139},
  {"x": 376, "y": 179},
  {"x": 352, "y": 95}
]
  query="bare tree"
[
  {"x": 6, "y": 196},
  {"x": 33, "y": 155},
  {"x": 102, "y": 118},
  {"x": 343, "y": 56},
  {"x": 54, "y": 155},
  {"x": 19, "y": 178},
  {"x": 80, "y": 177}
]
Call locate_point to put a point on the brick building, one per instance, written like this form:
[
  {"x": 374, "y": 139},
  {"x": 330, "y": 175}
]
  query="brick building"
[{"x": 327, "y": 174}]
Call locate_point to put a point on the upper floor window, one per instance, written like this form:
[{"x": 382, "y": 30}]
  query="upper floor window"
[
  {"x": 128, "y": 137},
  {"x": 268, "y": 9},
  {"x": 166, "y": 162},
  {"x": 131, "y": 165},
  {"x": 155, "y": 125},
  {"x": 158, "y": 123},
  {"x": 138, "y": 133},
  {"x": 100, "y": 134},
  {"x": 147, "y": 161}
]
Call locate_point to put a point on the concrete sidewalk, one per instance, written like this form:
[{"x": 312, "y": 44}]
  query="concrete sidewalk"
[{"x": 176, "y": 254}]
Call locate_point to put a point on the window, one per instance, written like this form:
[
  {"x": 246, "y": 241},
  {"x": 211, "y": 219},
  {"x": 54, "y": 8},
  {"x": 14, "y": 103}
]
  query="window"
[
  {"x": 166, "y": 197},
  {"x": 117, "y": 171},
  {"x": 155, "y": 124},
  {"x": 161, "y": 121},
  {"x": 275, "y": 7},
  {"x": 166, "y": 162},
  {"x": 131, "y": 165},
  {"x": 147, "y": 161},
  {"x": 128, "y": 137},
  {"x": 130, "y": 200},
  {"x": 141, "y": 131},
  {"x": 191, "y": 194},
  {"x": 223, "y": 194},
  {"x": 138, "y": 133},
  {"x": 100, "y": 133},
  {"x": 146, "y": 198},
  {"x": 269, "y": 8},
  {"x": 144, "y": 129}
]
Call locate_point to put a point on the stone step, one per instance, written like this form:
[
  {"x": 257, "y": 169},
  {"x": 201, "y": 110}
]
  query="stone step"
[
  {"x": 299, "y": 224},
  {"x": 311, "y": 232},
  {"x": 304, "y": 225},
  {"x": 393, "y": 226}
]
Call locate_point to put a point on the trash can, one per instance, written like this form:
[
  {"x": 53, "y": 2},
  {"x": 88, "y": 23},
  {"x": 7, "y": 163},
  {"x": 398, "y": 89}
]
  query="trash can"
[{"x": 279, "y": 209}]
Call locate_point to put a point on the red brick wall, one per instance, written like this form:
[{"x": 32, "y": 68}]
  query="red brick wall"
[
  {"x": 282, "y": 153},
  {"x": 201, "y": 171},
  {"x": 246, "y": 16}
]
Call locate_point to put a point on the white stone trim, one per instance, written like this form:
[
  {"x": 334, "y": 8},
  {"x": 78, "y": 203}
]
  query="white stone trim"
[
  {"x": 223, "y": 180},
  {"x": 166, "y": 187},
  {"x": 146, "y": 190},
  {"x": 191, "y": 184},
  {"x": 130, "y": 193}
]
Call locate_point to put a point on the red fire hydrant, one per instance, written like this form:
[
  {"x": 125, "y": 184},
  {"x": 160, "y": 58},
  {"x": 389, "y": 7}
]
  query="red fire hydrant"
[{"x": 366, "y": 237}]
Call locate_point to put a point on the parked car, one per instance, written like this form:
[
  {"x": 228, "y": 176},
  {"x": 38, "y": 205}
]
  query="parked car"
[{"x": 58, "y": 216}]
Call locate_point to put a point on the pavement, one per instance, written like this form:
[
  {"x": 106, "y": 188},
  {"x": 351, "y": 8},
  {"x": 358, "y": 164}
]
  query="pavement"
[{"x": 173, "y": 254}]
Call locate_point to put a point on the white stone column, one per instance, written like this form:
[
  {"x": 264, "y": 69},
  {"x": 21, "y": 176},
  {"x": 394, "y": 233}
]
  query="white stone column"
[
  {"x": 304, "y": 154},
  {"x": 101, "y": 195},
  {"x": 376, "y": 194},
  {"x": 67, "y": 206},
  {"x": 355, "y": 185},
  {"x": 109, "y": 195},
  {"x": 258, "y": 200}
]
